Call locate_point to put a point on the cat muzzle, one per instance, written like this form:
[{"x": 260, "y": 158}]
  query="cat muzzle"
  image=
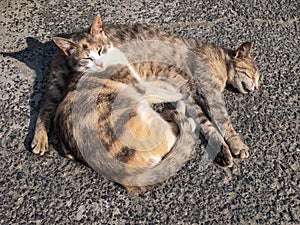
[{"x": 99, "y": 64}]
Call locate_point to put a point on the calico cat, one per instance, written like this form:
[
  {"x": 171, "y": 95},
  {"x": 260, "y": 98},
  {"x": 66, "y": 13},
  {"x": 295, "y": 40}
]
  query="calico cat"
[
  {"x": 88, "y": 53},
  {"x": 176, "y": 133}
]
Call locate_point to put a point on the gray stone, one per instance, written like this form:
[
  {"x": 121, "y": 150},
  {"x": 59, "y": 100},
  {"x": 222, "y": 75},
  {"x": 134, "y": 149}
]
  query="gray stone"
[{"x": 263, "y": 189}]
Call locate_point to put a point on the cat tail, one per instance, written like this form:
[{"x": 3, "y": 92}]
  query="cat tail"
[
  {"x": 173, "y": 161},
  {"x": 81, "y": 141}
]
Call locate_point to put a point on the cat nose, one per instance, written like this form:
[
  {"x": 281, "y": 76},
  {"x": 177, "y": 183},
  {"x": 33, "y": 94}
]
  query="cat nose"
[{"x": 100, "y": 65}]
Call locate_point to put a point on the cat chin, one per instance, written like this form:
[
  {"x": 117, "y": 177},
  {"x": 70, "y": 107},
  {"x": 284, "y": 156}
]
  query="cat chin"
[
  {"x": 97, "y": 70},
  {"x": 248, "y": 86},
  {"x": 244, "y": 86},
  {"x": 93, "y": 68},
  {"x": 80, "y": 69},
  {"x": 239, "y": 85}
]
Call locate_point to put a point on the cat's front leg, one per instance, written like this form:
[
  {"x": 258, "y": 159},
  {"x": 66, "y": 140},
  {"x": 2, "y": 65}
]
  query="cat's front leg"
[
  {"x": 39, "y": 143},
  {"x": 223, "y": 124},
  {"x": 51, "y": 99},
  {"x": 237, "y": 146},
  {"x": 220, "y": 121},
  {"x": 217, "y": 148}
]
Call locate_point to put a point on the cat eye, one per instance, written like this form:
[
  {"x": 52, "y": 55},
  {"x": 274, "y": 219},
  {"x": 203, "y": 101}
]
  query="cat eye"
[
  {"x": 88, "y": 58},
  {"x": 102, "y": 50}
]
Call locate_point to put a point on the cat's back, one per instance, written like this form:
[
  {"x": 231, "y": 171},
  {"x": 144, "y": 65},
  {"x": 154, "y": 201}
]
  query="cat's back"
[{"x": 120, "y": 34}]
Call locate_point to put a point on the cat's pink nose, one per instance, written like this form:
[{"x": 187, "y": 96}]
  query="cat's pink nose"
[{"x": 100, "y": 65}]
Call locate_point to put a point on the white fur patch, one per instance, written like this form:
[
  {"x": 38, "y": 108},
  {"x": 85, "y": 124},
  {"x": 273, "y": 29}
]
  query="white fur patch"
[{"x": 154, "y": 160}]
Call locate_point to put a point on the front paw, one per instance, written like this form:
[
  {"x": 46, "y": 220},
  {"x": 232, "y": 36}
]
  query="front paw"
[
  {"x": 239, "y": 149},
  {"x": 39, "y": 143}
]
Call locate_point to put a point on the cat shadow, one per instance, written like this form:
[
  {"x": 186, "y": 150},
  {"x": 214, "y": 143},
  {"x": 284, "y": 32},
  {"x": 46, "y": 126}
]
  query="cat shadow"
[
  {"x": 37, "y": 56},
  {"x": 232, "y": 89}
]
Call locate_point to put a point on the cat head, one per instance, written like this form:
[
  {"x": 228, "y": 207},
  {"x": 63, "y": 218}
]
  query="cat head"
[
  {"x": 244, "y": 74},
  {"x": 86, "y": 52}
]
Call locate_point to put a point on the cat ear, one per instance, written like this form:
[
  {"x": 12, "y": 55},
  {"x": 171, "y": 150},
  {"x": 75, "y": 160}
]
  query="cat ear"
[
  {"x": 65, "y": 44},
  {"x": 97, "y": 28},
  {"x": 243, "y": 51}
]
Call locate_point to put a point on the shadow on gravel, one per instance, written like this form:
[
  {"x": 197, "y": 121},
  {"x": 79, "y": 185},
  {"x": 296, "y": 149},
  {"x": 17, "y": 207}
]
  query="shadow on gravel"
[{"x": 37, "y": 56}]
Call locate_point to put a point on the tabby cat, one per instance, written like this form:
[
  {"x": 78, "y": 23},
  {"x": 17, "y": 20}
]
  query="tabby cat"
[{"x": 144, "y": 62}]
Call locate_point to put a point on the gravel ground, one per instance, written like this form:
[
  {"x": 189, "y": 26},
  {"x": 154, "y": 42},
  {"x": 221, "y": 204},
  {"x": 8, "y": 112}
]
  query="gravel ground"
[{"x": 263, "y": 189}]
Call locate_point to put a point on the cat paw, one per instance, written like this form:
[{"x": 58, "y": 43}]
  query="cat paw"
[
  {"x": 224, "y": 157},
  {"x": 239, "y": 150},
  {"x": 39, "y": 145}
]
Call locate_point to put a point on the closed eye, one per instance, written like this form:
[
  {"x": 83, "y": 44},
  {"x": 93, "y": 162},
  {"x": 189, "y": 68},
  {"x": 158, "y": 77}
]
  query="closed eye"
[
  {"x": 88, "y": 58},
  {"x": 103, "y": 50},
  {"x": 243, "y": 71},
  {"x": 100, "y": 50}
]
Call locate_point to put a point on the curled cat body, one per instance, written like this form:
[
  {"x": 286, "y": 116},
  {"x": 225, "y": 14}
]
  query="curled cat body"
[{"x": 154, "y": 67}]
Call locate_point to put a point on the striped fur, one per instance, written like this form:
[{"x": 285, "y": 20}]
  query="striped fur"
[{"x": 178, "y": 66}]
